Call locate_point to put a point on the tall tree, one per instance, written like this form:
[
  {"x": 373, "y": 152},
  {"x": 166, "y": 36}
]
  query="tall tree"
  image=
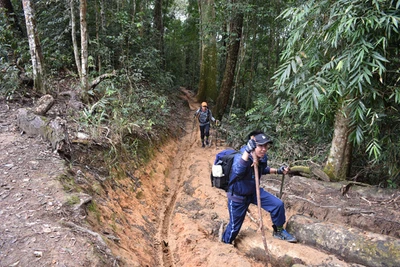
[
  {"x": 159, "y": 26},
  {"x": 34, "y": 47},
  {"x": 99, "y": 27},
  {"x": 208, "y": 53},
  {"x": 235, "y": 35},
  {"x": 74, "y": 41},
  {"x": 84, "y": 48}
]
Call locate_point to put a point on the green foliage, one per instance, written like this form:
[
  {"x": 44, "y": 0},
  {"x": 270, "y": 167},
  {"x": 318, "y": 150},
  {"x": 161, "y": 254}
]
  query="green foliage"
[
  {"x": 133, "y": 111},
  {"x": 93, "y": 209},
  {"x": 72, "y": 200},
  {"x": 53, "y": 25},
  {"x": 10, "y": 80},
  {"x": 10, "y": 53},
  {"x": 391, "y": 184},
  {"x": 182, "y": 47},
  {"x": 95, "y": 114},
  {"x": 343, "y": 54},
  {"x": 68, "y": 182}
]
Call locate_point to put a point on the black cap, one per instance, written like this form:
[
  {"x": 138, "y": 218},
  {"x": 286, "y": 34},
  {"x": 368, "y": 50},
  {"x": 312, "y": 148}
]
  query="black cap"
[{"x": 262, "y": 139}]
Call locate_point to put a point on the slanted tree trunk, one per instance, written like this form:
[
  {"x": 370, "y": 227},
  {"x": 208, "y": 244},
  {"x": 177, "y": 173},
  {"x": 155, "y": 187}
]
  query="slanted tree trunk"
[
  {"x": 339, "y": 159},
  {"x": 34, "y": 47},
  {"x": 233, "y": 50},
  {"x": 74, "y": 41},
  {"x": 84, "y": 49},
  {"x": 208, "y": 54}
]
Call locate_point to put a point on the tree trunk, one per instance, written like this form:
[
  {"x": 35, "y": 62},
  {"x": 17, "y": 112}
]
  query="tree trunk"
[
  {"x": 54, "y": 131},
  {"x": 84, "y": 51},
  {"x": 241, "y": 56},
  {"x": 74, "y": 41},
  {"x": 98, "y": 28},
  {"x": 34, "y": 47},
  {"x": 233, "y": 50},
  {"x": 208, "y": 61},
  {"x": 351, "y": 244},
  {"x": 250, "y": 86},
  {"x": 338, "y": 163},
  {"x": 159, "y": 26}
]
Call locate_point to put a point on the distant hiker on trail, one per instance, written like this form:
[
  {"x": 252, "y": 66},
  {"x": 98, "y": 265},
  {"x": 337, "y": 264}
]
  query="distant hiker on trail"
[
  {"x": 204, "y": 115},
  {"x": 242, "y": 192}
]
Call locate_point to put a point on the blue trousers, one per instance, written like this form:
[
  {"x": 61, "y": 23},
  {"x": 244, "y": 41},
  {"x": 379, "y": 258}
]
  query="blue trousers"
[{"x": 238, "y": 206}]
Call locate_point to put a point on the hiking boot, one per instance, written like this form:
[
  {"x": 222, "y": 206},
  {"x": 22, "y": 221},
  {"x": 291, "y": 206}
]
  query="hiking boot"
[
  {"x": 202, "y": 145},
  {"x": 207, "y": 143},
  {"x": 284, "y": 235}
]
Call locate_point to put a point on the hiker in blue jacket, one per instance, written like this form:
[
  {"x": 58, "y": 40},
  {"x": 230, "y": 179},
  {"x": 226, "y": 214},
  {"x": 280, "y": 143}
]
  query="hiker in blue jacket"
[
  {"x": 242, "y": 192},
  {"x": 204, "y": 116}
]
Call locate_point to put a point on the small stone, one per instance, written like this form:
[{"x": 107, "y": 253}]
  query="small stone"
[
  {"x": 38, "y": 254},
  {"x": 9, "y": 166}
]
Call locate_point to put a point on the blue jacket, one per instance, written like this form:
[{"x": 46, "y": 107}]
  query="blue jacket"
[{"x": 245, "y": 183}]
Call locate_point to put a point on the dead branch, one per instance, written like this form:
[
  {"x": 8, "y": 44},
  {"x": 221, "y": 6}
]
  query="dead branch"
[
  {"x": 345, "y": 188},
  {"x": 251, "y": 217},
  {"x": 85, "y": 230},
  {"x": 312, "y": 202},
  {"x": 101, "y": 78},
  {"x": 392, "y": 200},
  {"x": 369, "y": 202},
  {"x": 352, "y": 211}
]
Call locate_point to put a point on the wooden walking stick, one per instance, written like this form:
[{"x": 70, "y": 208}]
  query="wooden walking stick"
[
  {"x": 257, "y": 177},
  {"x": 283, "y": 181}
]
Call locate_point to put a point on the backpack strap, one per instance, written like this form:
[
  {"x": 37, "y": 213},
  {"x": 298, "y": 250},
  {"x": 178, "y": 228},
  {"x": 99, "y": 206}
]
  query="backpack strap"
[
  {"x": 237, "y": 178},
  {"x": 208, "y": 115}
]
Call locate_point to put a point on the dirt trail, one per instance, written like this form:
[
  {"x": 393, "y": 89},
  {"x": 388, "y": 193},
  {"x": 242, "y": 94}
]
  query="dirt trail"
[
  {"x": 32, "y": 204},
  {"x": 195, "y": 211}
]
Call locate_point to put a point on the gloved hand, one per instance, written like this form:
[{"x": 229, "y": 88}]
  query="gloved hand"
[
  {"x": 281, "y": 170},
  {"x": 251, "y": 145},
  {"x": 217, "y": 123}
]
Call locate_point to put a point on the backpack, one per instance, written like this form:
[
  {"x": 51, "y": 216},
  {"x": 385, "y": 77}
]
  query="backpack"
[
  {"x": 208, "y": 115},
  {"x": 221, "y": 169}
]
